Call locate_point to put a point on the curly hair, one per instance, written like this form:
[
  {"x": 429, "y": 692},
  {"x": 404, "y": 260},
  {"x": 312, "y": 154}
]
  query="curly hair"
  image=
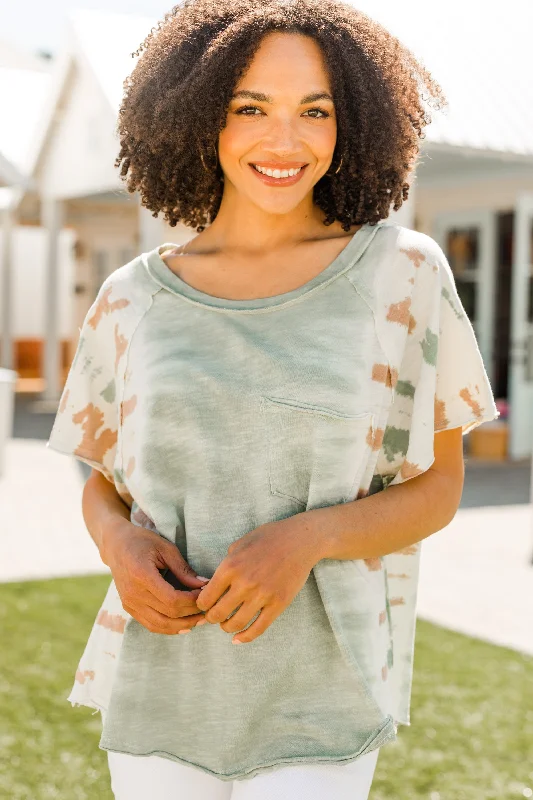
[{"x": 176, "y": 100}]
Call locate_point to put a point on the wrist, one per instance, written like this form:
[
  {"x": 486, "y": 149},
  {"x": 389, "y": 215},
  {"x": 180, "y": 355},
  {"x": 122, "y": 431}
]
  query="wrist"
[
  {"x": 110, "y": 533},
  {"x": 313, "y": 535},
  {"x": 329, "y": 528}
]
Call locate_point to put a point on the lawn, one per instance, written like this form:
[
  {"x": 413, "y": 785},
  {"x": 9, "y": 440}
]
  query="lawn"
[{"x": 471, "y": 736}]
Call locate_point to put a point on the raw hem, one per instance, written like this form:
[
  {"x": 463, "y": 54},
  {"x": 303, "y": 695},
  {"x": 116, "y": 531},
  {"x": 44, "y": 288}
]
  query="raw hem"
[
  {"x": 469, "y": 423},
  {"x": 386, "y": 733},
  {"x": 406, "y": 722},
  {"x": 65, "y": 448},
  {"x": 87, "y": 702}
]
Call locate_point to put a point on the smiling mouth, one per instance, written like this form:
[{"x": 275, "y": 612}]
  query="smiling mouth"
[
  {"x": 276, "y": 172},
  {"x": 275, "y": 176}
]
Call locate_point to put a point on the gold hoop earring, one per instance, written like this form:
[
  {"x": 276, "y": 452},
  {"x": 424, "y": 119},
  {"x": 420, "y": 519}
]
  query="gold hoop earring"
[
  {"x": 203, "y": 162},
  {"x": 331, "y": 174},
  {"x": 202, "y": 158}
]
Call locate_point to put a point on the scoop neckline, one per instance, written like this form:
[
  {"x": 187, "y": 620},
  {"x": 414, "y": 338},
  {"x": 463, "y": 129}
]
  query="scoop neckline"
[{"x": 346, "y": 259}]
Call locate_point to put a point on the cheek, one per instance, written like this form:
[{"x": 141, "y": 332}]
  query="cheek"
[
  {"x": 236, "y": 140},
  {"x": 323, "y": 142}
]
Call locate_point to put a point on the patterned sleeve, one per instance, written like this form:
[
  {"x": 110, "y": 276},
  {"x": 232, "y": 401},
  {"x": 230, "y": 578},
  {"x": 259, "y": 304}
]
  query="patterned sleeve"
[
  {"x": 86, "y": 423},
  {"x": 442, "y": 382}
]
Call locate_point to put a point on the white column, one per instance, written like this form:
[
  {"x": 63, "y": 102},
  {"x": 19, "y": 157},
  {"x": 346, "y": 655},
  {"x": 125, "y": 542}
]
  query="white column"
[
  {"x": 6, "y": 353},
  {"x": 52, "y": 212}
]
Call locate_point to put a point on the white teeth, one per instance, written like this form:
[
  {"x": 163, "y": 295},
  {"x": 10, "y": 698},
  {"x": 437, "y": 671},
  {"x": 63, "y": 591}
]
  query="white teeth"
[{"x": 277, "y": 173}]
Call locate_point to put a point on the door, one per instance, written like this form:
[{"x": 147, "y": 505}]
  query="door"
[
  {"x": 521, "y": 351},
  {"x": 469, "y": 241}
]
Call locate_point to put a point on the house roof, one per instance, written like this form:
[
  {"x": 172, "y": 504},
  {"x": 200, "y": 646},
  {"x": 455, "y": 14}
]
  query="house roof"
[
  {"x": 484, "y": 71},
  {"x": 24, "y": 92},
  {"x": 107, "y": 40},
  {"x": 9, "y": 174},
  {"x": 482, "y": 66},
  {"x": 12, "y": 55},
  {"x": 23, "y": 96},
  {"x": 480, "y": 55}
]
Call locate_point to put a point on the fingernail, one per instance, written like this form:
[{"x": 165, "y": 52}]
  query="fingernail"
[
  {"x": 201, "y": 578},
  {"x": 201, "y": 622},
  {"x": 236, "y": 641},
  {"x": 186, "y": 630}
]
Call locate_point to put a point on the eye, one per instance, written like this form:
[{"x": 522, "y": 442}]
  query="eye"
[
  {"x": 255, "y": 108},
  {"x": 321, "y": 110},
  {"x": 247, "y": 108}
]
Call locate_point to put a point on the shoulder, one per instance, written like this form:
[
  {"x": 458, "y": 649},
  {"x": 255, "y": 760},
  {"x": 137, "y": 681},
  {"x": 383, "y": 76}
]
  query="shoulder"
[
  {"x": 130, "y": 282},
  {"x": 415, "y": 246},
  {"x": 123, "y": 296},
  {"x": 399, "y": 261},
  {"x": 417, "y": 258}
]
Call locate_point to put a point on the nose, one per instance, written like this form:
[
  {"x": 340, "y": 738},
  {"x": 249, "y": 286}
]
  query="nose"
[{"x": 282, "y": 138}]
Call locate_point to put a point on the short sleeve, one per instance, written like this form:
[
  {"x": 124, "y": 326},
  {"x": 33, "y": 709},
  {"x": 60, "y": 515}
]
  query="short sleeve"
[
  {"x": 86, "y": 423},
  {"x": 442, "y": 382},
  {"x": 463, "y": 394}
]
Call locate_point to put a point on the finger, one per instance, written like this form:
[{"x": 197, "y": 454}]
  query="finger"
[
  {"x": 213, "y": 591},
  {"x": 149, "y": 577},
  {"x": 181, "y": 568},
  {"x": 227, "y": 604},
  {"x": 265, "y": 618},
  {"x": 242, "y": 617},
  {"x": 158, "y": 623},
  {"x": 180, "y": 607}
]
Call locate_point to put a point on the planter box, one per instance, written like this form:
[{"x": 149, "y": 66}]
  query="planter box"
[{"x": 489, "y": 441}]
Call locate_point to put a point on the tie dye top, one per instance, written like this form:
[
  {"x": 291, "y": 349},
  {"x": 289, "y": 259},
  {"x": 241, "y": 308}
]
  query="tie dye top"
[{"x": 212, "y": 416}]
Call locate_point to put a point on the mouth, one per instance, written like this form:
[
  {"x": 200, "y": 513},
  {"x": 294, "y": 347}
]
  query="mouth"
[{"x": 277, "y": 178}]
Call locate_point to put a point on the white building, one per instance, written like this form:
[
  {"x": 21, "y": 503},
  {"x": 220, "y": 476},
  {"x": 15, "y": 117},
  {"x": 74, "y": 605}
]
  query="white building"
[{"x": 473, "y": 189}]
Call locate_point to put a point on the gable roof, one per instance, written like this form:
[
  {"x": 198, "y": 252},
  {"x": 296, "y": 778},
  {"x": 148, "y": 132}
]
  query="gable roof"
[
  {"x": 24, "y": 90},
  {"x": 490, "y": 103},
  {"x": 9, "y": 174},
  {"x": 107, "y": 41},
  {"x": 479, "y": 53},
  {"x": 485, "y": 72}
]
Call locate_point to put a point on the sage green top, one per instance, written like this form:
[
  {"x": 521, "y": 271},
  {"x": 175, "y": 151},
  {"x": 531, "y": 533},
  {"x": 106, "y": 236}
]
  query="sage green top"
[{"x": 213, "y": 416}]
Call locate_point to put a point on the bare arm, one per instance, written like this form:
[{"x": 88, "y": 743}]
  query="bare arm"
[
  {"x": 387, "y": 522},
  {"x": 102, "y": 508},
  {"x": 135, "y": 556}
]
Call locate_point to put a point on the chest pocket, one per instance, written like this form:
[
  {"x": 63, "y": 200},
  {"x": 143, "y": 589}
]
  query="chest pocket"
[{"x": 316, "y": 455}]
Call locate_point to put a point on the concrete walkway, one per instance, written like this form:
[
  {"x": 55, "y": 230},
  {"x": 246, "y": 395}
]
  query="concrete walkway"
[
  {"x": 42, "y": 533},
  {"x": 476, "y": 576}
]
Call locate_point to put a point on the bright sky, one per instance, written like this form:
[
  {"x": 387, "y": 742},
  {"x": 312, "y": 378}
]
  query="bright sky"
[{"x": 35, "y": 24}]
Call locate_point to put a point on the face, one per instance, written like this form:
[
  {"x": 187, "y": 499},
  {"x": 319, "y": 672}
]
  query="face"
[{"x": 278, "y": 123}]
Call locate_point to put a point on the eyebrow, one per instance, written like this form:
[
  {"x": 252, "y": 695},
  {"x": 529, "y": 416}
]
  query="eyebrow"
[{"x": 265, "y": 98}]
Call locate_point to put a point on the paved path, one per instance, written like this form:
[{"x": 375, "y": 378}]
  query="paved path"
[
  {"x": 476, "y": 575},
  {"x": 42, "y": 532}
]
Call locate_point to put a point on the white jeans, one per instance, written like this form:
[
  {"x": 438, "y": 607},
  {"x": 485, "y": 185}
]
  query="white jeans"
[{"x": 157, "y": 778}]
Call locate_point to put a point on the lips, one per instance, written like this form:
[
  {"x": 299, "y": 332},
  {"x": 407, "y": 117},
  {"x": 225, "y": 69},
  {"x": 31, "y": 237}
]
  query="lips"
[
  {"x": 271, "y": 181},
  {"x": 279, "y": 164}
]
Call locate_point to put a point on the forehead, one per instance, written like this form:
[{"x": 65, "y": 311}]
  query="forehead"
[{"x": 280, "y": 54}]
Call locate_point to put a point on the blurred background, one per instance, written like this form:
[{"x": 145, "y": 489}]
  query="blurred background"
[{"x": 66, "y": 223}]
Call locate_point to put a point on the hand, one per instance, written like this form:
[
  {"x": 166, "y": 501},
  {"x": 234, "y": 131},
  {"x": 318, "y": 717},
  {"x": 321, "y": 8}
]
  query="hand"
[
  {"x": 263, "y": 572},
  {"x": 135, "y": 555}
]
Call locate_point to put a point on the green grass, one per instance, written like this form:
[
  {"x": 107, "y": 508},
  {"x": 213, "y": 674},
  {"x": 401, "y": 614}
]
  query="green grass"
[{"x": 471, "y": 736}]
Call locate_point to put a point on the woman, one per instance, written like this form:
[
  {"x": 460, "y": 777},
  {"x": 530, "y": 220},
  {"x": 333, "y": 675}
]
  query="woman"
[{"x": 244, "y": 400}]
